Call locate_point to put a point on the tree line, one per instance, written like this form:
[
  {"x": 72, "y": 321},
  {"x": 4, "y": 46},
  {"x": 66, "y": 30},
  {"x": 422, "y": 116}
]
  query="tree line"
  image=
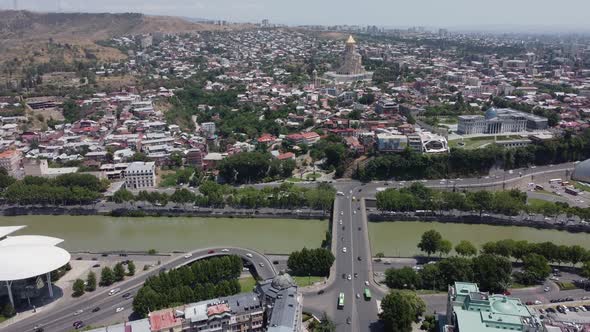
[
  {"x": 410, "y": 165},
  {"x": 212, "y": 194},
  {"x": 508, "y": 202},
  {"x": 204, "y": 279},
  {"x": 252, "y": 167},
  {"x": 311, "y": 262},
  {"x": 65, "y": 189}
]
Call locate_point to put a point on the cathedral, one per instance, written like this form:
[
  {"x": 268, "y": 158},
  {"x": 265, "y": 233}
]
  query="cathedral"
[{"x": 351, "y": 68}]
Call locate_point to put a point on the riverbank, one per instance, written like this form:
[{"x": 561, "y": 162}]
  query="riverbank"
[{"x": 123, "y": 210}]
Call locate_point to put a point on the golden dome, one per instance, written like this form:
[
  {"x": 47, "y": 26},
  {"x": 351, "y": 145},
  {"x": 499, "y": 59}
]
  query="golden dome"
[{"x": 350, "y": 40}]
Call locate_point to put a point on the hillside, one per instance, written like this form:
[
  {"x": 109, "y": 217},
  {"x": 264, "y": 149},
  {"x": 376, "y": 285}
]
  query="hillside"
[{"x": 24, "y": 35}]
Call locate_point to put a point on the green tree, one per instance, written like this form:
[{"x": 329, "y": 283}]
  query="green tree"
[
  {"x": 430, "y": 242},
  {"x": 585, "y": 269},
  {"x": 107, "y": 277},
  {"x": 402, "y": 278},
  {"x": 91, "y": 281},
  {"x": 535, "y": 269},
  {"x": 123, "y": 195},
  {"x": 130, "y": 268},
  {"x": 399, "y": 309},
  {"x": 78, "y": 288},
  {"x": 8, "y": 310},
  {"x": 465, "y": 248},
  {"x": 325, "y": 325},
  {"x": 119, "y": 272},
  {"x": 576, "y": 254},
  {"x": 492, "y": 272},
  {"x": 445, "y": 247}
]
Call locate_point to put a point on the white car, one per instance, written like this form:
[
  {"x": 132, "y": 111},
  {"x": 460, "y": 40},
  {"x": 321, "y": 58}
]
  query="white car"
[
  {"x": 349, "y": 277},
  {"x": 340, "y": 222},
  {"x": 546, "y": 289},
  {"x": 187, "y": 256},
  {"x": 341, "y": 213},
  {"x": 225, "y": 250},
  {"x": 249, "y": 255},
  {"x": 344, "y": 249},
  {"x": 261, "y": 264},
  {"x": 358, "y": 296},
  {"x": 78, "y": 312},
  {"x": 119, "y": 309},
  {"x": 114, "y": 291},
  {"x": 354, "y": 212},
  {"x": 366, "y": 283},
  {"x": 538, "y": 302}
]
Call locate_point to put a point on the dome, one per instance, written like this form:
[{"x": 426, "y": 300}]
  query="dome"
[
  {"x": 350, "y": 40},
  {"x": 283, "y": 281},
  {"x": 491, "y": 113},
  {"x": 582, "y": 171},
  {"x": 504, "y": 306}
]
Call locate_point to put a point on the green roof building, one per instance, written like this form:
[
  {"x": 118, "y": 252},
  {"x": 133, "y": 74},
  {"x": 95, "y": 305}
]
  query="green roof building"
[{"x": 469, "y": 310}]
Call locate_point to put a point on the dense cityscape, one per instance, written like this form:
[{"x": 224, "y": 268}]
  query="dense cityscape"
[{"x": 160, "y": 173}]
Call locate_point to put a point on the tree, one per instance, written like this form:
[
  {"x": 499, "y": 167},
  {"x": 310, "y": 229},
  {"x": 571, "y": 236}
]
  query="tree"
[
  {"x": 130, "y": 268},
  {"x": 535, "y": 269},
  {"x": 402, "y": 278},
  {"x": 8, "y": 310},
  {"x": 119, "y": 272},
  {"x": 123, "y": 195},
  {"x": 107, "y": 276},
  {"x": 452, "y": 269},
  {"x": 445, "y": 247},
  {"x": 575, "y": 254},
  {"x": 492, "y": 272},
  {"x": 430, "y": 242},
  {"x": 585, "y": 270},
  {"x": 91, "y": 281},
  {"x": 316, "y": 262},
  {"x": 465, "y": 248},
  {"x": 400, "y": 309},
  {"x": 325, "y": 325},
  {"x": 78, "y": 288}
]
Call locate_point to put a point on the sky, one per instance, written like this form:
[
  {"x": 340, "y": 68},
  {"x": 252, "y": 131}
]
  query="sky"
[{"x": 501, "y": 14}]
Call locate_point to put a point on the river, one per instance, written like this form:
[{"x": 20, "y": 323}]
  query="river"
[
  {"x": 400, "y": 238},
  {"x": 165, "y": 234}
]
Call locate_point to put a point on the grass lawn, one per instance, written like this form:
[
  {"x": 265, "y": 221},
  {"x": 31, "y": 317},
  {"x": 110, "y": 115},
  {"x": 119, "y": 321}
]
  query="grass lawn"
[
  {"x": 312, "y": 176},
  {"x": 294, "y": 180},
  {"x": 2, "y": 318},
  {"x": 168, "y": 180},
  {"x": 580, "y": 186},
  {"x": 563, "y": 285},
  {"x": 247, "y": 284},
  {"x": 449, "y": 120},
  {"x": 307, "y": 281},
  {"x": 516, "y": 285},
  {"x": 477, "y": 142}
]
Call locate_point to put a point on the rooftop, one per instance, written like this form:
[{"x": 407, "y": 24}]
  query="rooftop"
[{"x": 25, "y": 261}]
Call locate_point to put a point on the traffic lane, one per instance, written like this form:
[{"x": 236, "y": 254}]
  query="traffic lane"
[
  {"x": 345, "y": 267},
  {"x": 44, "y": 317}
]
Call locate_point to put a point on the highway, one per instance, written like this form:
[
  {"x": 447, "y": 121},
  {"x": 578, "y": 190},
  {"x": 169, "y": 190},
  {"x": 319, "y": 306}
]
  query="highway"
[{"x": 62, "y": 319}]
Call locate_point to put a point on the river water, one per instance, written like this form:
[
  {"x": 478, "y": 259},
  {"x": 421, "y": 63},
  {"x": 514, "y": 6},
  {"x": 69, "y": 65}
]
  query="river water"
[
  {"x": 166, "y": 234},
  {"x": 400, "y": 238}
]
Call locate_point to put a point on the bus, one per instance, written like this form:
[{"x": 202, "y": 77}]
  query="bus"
[
  {"x": 367, "y": 294},
  {"x": 555, "y": 181},
  {"x": 341, "y": 300},
  {"x": 424, "y": 213}
]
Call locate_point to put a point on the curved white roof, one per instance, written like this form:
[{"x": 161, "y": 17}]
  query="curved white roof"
[
  {"x": 25, "y": 261},
  {"x": 30, "y": 240},
  {"x": 5, "y": 230}
]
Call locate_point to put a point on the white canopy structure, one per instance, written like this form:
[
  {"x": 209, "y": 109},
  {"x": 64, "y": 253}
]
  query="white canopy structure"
[{"x": 29, "y": 256}]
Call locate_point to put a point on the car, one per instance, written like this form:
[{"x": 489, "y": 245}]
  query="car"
[
  {"x": 94, "y": 258},
  {"x": 347, "y": 320},
  {"x": 358, "y": 296},
  {"x": 119, "y": 309},
  {"x": 341, "y": 213},
  {"x": 249, "y": 255},
  {"x": 366, "y": 282},
  {"x": 343, "y": 275},
  {"x": 569, "y": 299},
  {"x": 585, "y": 297},
  {"x": 275, "y": 262},
  {"x": 587, "y": 307},
  {"x": 187, "y": 256},
  {"x": 344, "y": 249},
  {"x": 529, "y": 303},
  {"x": 349, "y": 277},
  {"x": 78, "y": 312},
  {"x": 546, "y": 289},
  {"x": 210, "y": 251},
  {"x": 354, "y": 212},
  {"x": 96, "y": 309},
  {"x": 356, "y": 275},
  {"x": 78, "y": 324},
  {"x": 225, "y": 250},
  {"x": 104, "y": 255},
  {"x": 359, "y": 258},
  {"x": 340, "y": 222},
  {"x": 261, "y": 264},
  {"x": 123, "y": 254},
  {"x": 114, "y": 291},
  {"x": 507, "y": 293},
  {"x": 126, "y": 295},
  {"x": 38, "y": 328},
  {"x": 96, "y": 265},
  {"x": 79, "y": 258},
  {"x": 320, "y": 292},
  {"x": 551, "y": 310}
]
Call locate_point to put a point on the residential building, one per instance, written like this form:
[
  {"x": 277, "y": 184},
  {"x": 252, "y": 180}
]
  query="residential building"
[
  {"x": 194, "y": 157},
  {"x": 469, "y": 309},
  {"x": 208, "y": 129},
  {"x": 308, "y": 138},
  {"x": 140, "y": 175},
  {"x": 10, "y": 160},
  {"x": 391, "y": 142}
]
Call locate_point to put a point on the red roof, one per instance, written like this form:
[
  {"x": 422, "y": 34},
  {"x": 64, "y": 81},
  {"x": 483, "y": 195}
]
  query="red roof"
[
  {"x": 217, "y": 309},
  {"x": 295, "y": 137},
  {"x": 163, "y": 319},
  {"x": 265, "y": 138},
  {"x": 309, "y": 135},
  {"x": 288, "y": 155}
]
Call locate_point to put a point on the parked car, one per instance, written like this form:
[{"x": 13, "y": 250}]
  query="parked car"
[
  {"x": 78, "y": 312},
  {"x": 96, "y": 309}
]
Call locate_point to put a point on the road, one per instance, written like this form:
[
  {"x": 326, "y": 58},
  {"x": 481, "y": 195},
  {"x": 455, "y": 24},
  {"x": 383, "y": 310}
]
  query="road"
[{"x": 62, "y": 318}]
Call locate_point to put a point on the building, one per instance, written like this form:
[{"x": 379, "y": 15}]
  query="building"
[
  {"x": 469, "y": 309},
  {"x": 387, "y": 106},
  {"x": 281, "y": 295},
  {"x": 500, "y": 120},
  {"x": 208, "y": 129},
  {"x": 140, "y": 175},
  {"x": 391, "y": 142},
  {"x": 308, "y": 138},
  {"x": 582, "y": 171},
  {"x": 27, "y": 262},
  {"x": 194, "y": 157},
  {"x": 242, "y": 312},
  {"x": 351, "y": 68},
  {"x": 40, "y": 167},
  {"x": 10, "y": 160}
]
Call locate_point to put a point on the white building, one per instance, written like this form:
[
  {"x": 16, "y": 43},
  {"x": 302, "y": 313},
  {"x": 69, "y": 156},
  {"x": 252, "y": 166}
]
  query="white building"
[
  {"x": 498, "y": 121},
  {"x": 208, "y": 129},
  {"x": 140, "y": 175}
]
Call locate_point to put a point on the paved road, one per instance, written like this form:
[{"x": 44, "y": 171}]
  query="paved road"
[{"x": 61, "y": 319}]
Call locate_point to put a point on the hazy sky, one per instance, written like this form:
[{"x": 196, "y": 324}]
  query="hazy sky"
[{"x": 432, "y": 13}]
